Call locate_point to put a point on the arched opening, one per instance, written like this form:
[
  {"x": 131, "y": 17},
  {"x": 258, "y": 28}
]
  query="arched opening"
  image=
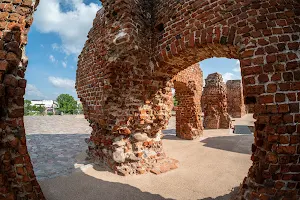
[
  {"x": 123, "y": 79},
  {"x": 55, "y": 39}
]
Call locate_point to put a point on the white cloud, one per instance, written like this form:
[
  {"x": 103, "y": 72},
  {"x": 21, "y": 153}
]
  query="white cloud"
[
  {"x": 237, "y": 67},
  {"x": 55, "y": 46},
  {"x": 229, "y": 76},
  {"x": 72, "y": 26},
  {"x": 64, "y": 64},
  {"x": 33, "y": 91},
  {"x": 52, "y": 58},
  {"x": 62, "y": 82}
]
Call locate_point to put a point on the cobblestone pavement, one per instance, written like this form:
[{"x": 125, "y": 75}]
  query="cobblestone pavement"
[
  {"x": 54, "y": 155},
  {"x": 54, "y": 141}
]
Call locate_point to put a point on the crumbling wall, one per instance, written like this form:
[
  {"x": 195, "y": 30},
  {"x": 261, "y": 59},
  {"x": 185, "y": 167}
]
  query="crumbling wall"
[
  {"x": 127, "y": 106},
  {"x": 214, "y": 100},
  {"x": 235, "y": 99},
  {"x": 17, "y": 179},
  {"x": 188, "y": 89}
]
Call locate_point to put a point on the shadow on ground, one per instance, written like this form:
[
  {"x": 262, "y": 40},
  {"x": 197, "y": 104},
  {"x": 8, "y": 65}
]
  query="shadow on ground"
[
  {"x": 54, "y": 155},
  {"x": 229, "y": 196},
  {"x": 236, "y": 143},
  {"x": 169, "y": 132},
  {"x": 81, "y": 186},
  {"x": 233, "y": 143}
]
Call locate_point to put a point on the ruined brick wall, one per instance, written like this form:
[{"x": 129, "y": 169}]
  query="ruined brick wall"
[
  {"x": 264, "y": 36},
  {"x": 188, "y": 89},
  {"x": 214, "y": 103},
  {"x": 17, "y": 179},
  {"x": 235, "y": 99},
  {"x": 127, "y": 105}
]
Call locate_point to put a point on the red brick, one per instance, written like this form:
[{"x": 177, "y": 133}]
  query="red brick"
[
  {"x": 263, "y": 78},
  {"x": 284, "y": 139},
  {"x": 271, "y": 88},
  {"x": 288, "y": 118},
  {"x": 271, "y": 58},
  {"x": 251, "y": 70},
  {"x": 291, "y": 96},
  {"x": 295, "y": 139},
  {"x": 10, "y": 80},
  {"x": 276, "y": 77},
  {"x": 283, "y": 108},
  {"x": 3, "y": 65},
  {"x": 247, "y": 54},
  {"x": 266, "y": 99},
  {"x": 286, "y": 149}
]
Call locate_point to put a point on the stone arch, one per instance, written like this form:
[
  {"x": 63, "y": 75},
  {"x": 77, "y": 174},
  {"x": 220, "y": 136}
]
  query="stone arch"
[
  {"x": 134, "y": 49},
  {"x": 264, "y": 36},
  {"x": 188, "y": 88}
]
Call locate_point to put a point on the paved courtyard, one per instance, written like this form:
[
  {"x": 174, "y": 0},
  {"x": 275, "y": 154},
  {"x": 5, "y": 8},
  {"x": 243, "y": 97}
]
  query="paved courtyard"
[
  {"x": 56, "y": 145},
  {"x": 54, "y": 142}
]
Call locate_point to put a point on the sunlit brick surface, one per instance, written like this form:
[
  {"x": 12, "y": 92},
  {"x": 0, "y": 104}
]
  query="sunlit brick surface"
[
  {"x": 235, "y": 100},
  {"x": 188, "y": 87}
]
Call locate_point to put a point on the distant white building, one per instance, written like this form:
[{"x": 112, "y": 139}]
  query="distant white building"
[
  {"x": 45, "y": 103},
  {"x": 50, "y": 105}
]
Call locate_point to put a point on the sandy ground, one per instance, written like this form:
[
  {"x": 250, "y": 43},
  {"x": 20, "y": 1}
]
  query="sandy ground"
[{"x": 209, "y": 168}]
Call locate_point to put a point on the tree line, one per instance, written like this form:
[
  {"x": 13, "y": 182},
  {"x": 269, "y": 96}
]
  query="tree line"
[{"x": 66, "y": 104}]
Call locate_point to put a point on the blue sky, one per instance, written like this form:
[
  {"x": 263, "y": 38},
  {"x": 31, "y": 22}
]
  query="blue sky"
[{"x": 56, "y": 38}]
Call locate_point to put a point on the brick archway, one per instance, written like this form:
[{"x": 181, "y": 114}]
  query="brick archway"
[
  {"x": 188, "y": 89},
  {"x": 123, "y": 79}
]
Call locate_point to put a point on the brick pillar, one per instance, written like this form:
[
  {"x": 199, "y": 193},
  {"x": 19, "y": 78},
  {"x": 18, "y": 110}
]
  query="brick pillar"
[
  {"x": 235, "y": 98},
  {"x": 270, "y": 71},
  {"x": 126, "y": 104},
  {"x": 214, "y": 102},
  {"x": 188, "y": 87},
  {"x": 17, "y": 179}
]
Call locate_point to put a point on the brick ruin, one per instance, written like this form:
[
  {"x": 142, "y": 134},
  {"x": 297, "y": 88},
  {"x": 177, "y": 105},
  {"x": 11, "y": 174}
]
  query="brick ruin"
[
  {"x": 188, "y": 85},
  {"x": 123, "y": 79},
  {"x": 17, "y": 179},
  {"x": 235, "y": 100},
  {"x": 214, "y": 103}
]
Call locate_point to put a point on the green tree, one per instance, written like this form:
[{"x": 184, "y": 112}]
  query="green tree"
[
  {"x": 39, "y": 109},
  {"x": 175, "y": 101},
  {"x": 27, "y": 107},
  {"x": 33, "y": 109},
  {"x": 66, "y": 103},
  {"x": 80, "y": 108}
]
